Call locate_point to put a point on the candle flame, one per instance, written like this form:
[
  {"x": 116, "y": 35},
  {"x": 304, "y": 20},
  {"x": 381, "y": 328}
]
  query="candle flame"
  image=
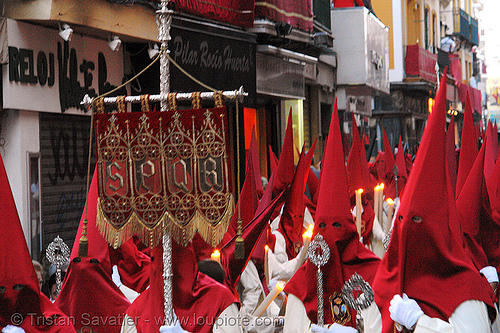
[
  {"x": 308, "y": 233},
  {"x": 390, "y": 201},
  {"x": 381, "y": 186},
  {"x": 280, "y": 285},
  {"x": 359, "y": 190},
  {"x": 266, "y": 247},
  {"x": 216, "y": 253}
]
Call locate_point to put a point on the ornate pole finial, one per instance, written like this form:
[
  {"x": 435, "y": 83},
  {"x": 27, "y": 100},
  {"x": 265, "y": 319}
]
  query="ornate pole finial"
[
  {"x": 319, "y": 254},
  {"x": 358, "y": 295},
  {"x": 83, "y": 245},
  {"x": 58, "y": 254}
]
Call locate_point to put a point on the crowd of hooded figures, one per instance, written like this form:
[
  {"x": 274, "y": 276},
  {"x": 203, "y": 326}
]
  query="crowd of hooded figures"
[{"x": 326, "y": 249}]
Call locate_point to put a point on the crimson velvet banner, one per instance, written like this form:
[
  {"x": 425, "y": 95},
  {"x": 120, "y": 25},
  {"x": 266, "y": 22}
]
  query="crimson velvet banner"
[
  {"x": 236, "y": 12},
  {"x": 297, "y": 13},
  {"x": 159, "y": 169}
]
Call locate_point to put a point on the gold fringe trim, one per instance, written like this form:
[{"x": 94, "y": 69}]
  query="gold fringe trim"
[
  {"x": 196, "y": 100},
  {"x": 145, "y": 104},
  {"x": 120, "y": 104},
  {"x": 219, "y": 99},
  {"x": 182, "y": 233},
  {"x": 172, "y": 101},
  {"x": 99, "y": 105}
]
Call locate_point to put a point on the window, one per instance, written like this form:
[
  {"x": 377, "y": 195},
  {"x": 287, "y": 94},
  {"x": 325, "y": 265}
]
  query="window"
[
  {"x": 297, "y": 106},
  {"x": 434, "y": 32},
  {"x": 34, "y": 205},
  {"x": 427, "y": 29}
]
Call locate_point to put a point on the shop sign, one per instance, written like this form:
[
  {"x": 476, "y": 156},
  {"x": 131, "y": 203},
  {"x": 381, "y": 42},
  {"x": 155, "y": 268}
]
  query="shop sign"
[{"x": 47, "y": 74}]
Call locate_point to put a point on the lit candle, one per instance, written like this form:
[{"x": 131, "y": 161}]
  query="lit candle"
[
  {"x": 358, "y": 210},
  {"x": 215, "y": 256},
  {"x": 266, "y": 263},
  {"x": 381, "y": 204},
  {"x": 306, "y": 239},
  {"x": 269, "y": 298},
  {"x": 387, "y": 226},
  {"x": 375, "y": 200}
]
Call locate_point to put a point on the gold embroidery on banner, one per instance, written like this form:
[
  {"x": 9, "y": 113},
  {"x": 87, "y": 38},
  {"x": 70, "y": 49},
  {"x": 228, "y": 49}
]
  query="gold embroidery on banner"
[
  {"x": 173, "y": 177},
  {"x": 340, "y": 311},
  {"x": 145, "y": 104}
]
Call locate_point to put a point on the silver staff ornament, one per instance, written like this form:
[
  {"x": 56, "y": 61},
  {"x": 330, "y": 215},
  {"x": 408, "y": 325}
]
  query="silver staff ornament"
[
  {"x": 319, "y": 254},
  {"x": 58, "y": 254},
  {"x": 358, "y": 295}
]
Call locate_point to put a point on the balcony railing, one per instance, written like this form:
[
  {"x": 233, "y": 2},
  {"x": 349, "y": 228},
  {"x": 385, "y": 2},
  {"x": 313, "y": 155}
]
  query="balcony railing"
[
  {"x": 420, "y": 63},
  {"x": 466, "y": 26}
]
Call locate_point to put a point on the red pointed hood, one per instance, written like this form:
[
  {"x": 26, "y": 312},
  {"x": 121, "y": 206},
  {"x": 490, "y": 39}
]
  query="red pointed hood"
[
  {"x": 249, "y": 197},
  {"x": 284, "y": 173},
  {"x": 15, "y": 260},
  {"x": 390, "y": 191},
  {"x": 17, "y": 269},
  {"x": 253, "y": 155},
  {"x": 429, "y": 271},
  {"x": 198, "y": 300},
  {"x": 273, "y": 161},
  {"x": 133, "y": 265},
  {"x": 292, "y": 217},
  {"x": 357, "y": 168},
  {"x": 481, "y": 233},
  {"x": 493, "y": 186},
  {"x": 470, "y": 206},
  {"x": 389, "y": 158},
  {"x": 98, "y": 247},
  {"x": 491, "y": 152},
  {"x": 252, "y": 233},
  {"x": 91, "y": 273},
  {"x": 333, "y": 220},
  {"x": 468, "y": 147},
  {"x": 377, "y": 169},
  {"x": 313, "y": 186},
  {"x": 451, "y": 156}
]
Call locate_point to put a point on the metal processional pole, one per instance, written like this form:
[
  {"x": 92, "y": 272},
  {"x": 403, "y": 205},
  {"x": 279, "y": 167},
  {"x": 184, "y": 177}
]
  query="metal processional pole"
[{"x": 164, "y": 21}]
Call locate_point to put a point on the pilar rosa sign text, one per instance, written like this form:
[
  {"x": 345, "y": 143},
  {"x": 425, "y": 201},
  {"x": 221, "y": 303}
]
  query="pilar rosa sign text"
[{"x": 47, "y": 74}]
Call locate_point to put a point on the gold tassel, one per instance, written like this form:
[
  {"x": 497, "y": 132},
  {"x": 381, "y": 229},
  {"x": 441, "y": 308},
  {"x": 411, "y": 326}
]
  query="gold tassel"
[
  {"x": 83, "y": 246},
  {"x": 239, "y": 245}
]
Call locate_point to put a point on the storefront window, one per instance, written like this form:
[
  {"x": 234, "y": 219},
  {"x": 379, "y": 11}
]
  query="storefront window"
[
  {"x": 34, "y": 204},
  {"x": 297, "y": 106}
]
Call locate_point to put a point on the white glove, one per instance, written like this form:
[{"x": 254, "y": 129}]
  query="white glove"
[
  {"x": 116, "y": 276},
  {"x": 335, "y": 328},
  {"x": 12, "y": 329},
  {"x": 318, "y": 329},
  {"x": 490, "y": 273},
  {"x": 405, "y": 311},
  {"x": 272, "y": 283},
  {"x": 172, "y": 329}
]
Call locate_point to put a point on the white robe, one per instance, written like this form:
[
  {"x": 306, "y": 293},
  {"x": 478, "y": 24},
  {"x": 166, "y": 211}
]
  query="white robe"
[
  {"x": 279, "y": 265},
  {"x": 252, "y": 293},
  {"x": 227, "y": 320},
  {"x": 469, "y": 317}
]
